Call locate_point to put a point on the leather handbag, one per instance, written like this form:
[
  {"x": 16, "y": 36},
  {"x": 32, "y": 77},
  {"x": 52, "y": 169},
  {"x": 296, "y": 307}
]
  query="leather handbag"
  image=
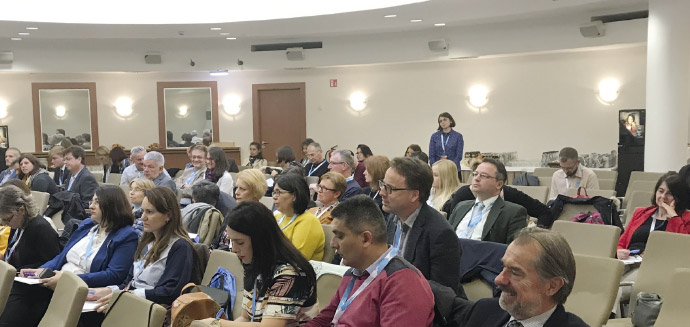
[{"x": 647, "y": 309}]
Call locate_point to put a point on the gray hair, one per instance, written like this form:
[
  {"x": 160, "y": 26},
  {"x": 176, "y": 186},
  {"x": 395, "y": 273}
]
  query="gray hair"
[
  {"x": 346, "y": 157},
  {"x": 137, "y": 149},
  {"x": 19, "y": 153},
  {"x": 155, "y": 156},
  {"x": 556, "y": 259},
  {"x": 12, "y": 198},
  {"x": 316, "y": 146}
]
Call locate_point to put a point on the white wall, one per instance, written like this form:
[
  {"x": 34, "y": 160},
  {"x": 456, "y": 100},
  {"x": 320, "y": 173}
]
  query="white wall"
[{"x": 537, "y": 102}]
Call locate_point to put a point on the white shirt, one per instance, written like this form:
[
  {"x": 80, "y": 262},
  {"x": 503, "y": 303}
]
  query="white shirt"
[
  {"x": 479, "y": 228},
  {"x": 76, "y": 261},
  {"x": 536, "y": 321}
]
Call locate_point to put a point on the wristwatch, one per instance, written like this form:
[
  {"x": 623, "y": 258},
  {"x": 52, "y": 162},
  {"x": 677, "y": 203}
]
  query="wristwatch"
[{"x": 215, "y": 323}]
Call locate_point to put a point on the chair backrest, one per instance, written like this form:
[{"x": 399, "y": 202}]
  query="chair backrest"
[
  {"x": 131, "y": 310},
  {"x": 67, "y": 302},
  {"x": 114, "y": 178},
  {"x": 540, "y": 193},
  {"x": 328, "y": 252},
  {"x": 312, "y": 180},
  {"x": 607, "y": 184},
  {"x": 231, "y": 262},
  {"x": 241, "y": 168},
  {"x": 595, "y": 288},
  {"x": 544, "y": 181},
  {"x": 674, "y": 312},
  {"x": 326, "y": 286},
  {"x": 589, "y": 239},
  {"x": 605, "y": 193},
  {"x": 267, "y": 201},
  {"x": 664, "y": 253},
  {"x": 571, "y": 209},
  {"x": 41, "y": 200},
  {"x": 7, "y": 273},
  {"x": 642, "y": 176},
  {"x": 637, "y": 199},
  {"x": 605, "y": 174},
  {"x": 477, "y": 289},
  {"x": 98, "y": 176},
  {"x": 544, "y": 171},
  {"x": 125, "y": 188}
]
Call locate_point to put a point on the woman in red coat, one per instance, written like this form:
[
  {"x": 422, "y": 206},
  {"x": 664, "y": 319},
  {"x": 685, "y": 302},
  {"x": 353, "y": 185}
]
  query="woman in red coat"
[{"x": 667, "y": 213}]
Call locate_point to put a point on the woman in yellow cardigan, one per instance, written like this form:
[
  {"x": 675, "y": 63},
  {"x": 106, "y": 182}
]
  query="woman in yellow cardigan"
[{"x": 303, "y": 229}]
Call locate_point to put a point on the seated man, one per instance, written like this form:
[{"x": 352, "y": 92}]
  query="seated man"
[
  {"x": 136, "y": 169},
  {"x": 571, "y": 175},
  {"x": 79, "y": 187},
  {"x": 195, "y": 173},
  {"x": 11, "y": 155},
  {"x": 343, "y": 163},
  {"x": 154, "y": 163},
  {"x": 316, "y": 165},
  {"x": 205, "y": 195},
  {"x": 422, "y": 234},
  {"x": 538, "y": 276},
  {"x": 381, "y": 288},
  {"x": 488, "y": 217}
]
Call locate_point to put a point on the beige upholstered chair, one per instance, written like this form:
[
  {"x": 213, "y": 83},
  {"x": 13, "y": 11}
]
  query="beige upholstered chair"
[
  {"x": 674, "y": 311},
  {"x": 41, "y": 200},
  {"x": 637, "y": 199},
  {"x": 540, "y": 193},
  {"x": 544, "y": 181},
  {"x": 595, "y": 288},
  {"x": 328, "y": 252},
  {"x": 131, "y": 310},
  {"x": 231, "y": 262},
  {"x": 605, "y": 174},
  {"x": 589, "y": 239},
  {"x": 67, "y": 302},
  {"x": 98, "y": 176},
  {"x": 607, "y": 184},
  {"x": 544, "y": 171},
  {"x": 7, "y": 273},
  {"x": 326, "y": 286},
  {"x": 267, "y": 201},
  {"x": 605, "y": 193},
  {"x": 477, "y": 289},
  {"x": 114, "y": 178},
  {"x": 125, "y": 188}
]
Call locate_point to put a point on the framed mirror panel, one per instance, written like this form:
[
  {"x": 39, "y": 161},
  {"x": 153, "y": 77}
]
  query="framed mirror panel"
[{"x": 187, "y": 113}]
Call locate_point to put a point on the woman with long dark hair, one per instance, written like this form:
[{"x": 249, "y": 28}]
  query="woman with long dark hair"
[
  {"x": 34, "y": 174},
  {"x": 217, "y": 170},
  {"x": 256, "y": 157},
  {"x": 363, "y": 152},
  {"x": 279, "y": 283}
]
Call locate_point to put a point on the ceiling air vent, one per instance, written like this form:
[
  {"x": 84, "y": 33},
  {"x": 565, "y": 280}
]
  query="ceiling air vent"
[{"x": 285, "y": 46}]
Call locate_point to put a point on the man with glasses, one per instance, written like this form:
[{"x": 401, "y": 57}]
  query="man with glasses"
[
  {"x": 422, "y": 234},
  {"x": 488, "y": 217},
  {"x": 80, "y": 188},
  {"x": 571, "y": 175},
  {"x": 343, "y": 162}
]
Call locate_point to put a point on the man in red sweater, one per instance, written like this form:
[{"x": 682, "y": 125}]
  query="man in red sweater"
[{"x": 381, "y": 288}]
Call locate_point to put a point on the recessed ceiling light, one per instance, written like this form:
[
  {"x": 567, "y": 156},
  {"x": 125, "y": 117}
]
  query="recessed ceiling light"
[
  {"x": 32, "y": 28},
  {"x": 15, "y": 38},
  {"x": 231, "y": 38},
  {"x": 24, "y": 33},
  {"x": 415, "y": 20},
  {"x": 224, "y": 33},
  {"x": 440, "y": 24},
  {"x": 216, "y": 28},
  {"x": 390, "y": 16}
]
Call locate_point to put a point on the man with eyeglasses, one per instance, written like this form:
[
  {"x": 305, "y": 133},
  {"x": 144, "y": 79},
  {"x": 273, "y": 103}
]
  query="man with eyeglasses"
[
  {"x": 488, "y": 217},
  {"x": 422, "y": 234},
  {"x": 571, "y": 175},
  {"x": 343, "y": 162}
]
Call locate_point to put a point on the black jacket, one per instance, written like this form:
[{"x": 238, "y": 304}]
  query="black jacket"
[
  {"x": 38, "y": 244},
  {"x": 65, "y": 174}
]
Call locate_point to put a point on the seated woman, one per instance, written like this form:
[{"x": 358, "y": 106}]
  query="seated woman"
[
  {"x": 217, "y": 170},
  {"x": 162, "y": 259},
  {"x": 33, "y": 240},
  {"x": 445, "y": 183},
  {"x": 411, "y": 149},
  {"x": 667, "y": 213},
  {"x": 137, "y": 187},
  {"x": 291, "y": 197},
  {"x": 363, "y": 152},
  {"x": 277, "y": 278},
  {"x": 376, "y": 169},
  {"x": 100, "y": 251},
  {"x": 331, "y": 186},
  {"x": 256, "y": 157},
  {"x": 35, "y": 175}
]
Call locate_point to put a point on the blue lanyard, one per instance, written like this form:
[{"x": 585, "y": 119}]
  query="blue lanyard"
[
  {"x": 254, "y": 300},
  {"x": 15, "y": 241},
  {"x": 444, "y": 144},
  {"x": 89, "y": 251},
  {"x": 314, "y": 169},
  {"x": 288, "y": 224}
]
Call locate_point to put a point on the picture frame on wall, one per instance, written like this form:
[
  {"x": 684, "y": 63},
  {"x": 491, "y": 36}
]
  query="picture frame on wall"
[
  {"x": 631, "y": 126},
  {"x": 4, "y": 136}
]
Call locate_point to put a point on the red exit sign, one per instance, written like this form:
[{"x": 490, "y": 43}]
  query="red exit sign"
[{"x": 334, "y": 83}]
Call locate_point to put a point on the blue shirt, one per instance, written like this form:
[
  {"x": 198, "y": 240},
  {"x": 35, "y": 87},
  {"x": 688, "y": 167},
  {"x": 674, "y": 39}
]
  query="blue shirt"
[{"x": 452, "y": 147}]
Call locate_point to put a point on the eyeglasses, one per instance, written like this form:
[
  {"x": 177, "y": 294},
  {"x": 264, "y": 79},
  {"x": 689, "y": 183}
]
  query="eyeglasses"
[
  {"x": 279, "y": 192},
  {"x": 389, "y": 188},
  {"x": 481, "y": 176},
  {"x": 320, "y": 188},
  {"x": 6, "y": 219}
]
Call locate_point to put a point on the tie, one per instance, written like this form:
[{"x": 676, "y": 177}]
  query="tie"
[
  {"x": 71, "y": 180},
  {"x": 514, "y": 323},
  {"x": 476, "y": 217},
  {"x": 405, "y": 229}
]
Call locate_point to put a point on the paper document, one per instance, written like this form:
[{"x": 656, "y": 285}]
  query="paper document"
[
  {"x": 30, "y": 281},
  {"x": 632, "y": 260},
  {"x": 192, "y": 236},
  {"x": 89, "y": 306}
]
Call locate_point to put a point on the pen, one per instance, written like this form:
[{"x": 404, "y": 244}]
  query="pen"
[
  {"x": 29, "y": 275},
  {"x": 635, "y": 251}
]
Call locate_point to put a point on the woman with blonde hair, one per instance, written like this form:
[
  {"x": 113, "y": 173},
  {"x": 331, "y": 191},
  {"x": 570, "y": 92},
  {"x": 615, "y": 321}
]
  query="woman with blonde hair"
[
  {"x": 445, "y": 183},
  {"x": 137, "y": 187}
]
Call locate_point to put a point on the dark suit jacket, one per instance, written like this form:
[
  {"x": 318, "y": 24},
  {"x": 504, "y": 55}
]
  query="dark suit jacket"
[
  {"x": 487, "y": 313},
  {"x": 504, "y": 220},
  {"x": 432, "y": 246},
  {"x": 66, "y": 174},
  {"x": 85, "y": 185}
]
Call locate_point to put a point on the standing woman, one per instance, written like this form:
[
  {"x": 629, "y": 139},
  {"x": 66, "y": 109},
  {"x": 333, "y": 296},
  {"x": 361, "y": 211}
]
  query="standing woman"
[
  {"x": 376, "y": 170},
  {"x": 34, "y": 175},
  {"x": 446, "y": 143},
  {"x": 445, "y": 183},
  {"x": 363, "y": 152},
  {"x": 279, "y": 283},
  {"x": 256, "y": 157},
  {"x": 217, "y": 170}
]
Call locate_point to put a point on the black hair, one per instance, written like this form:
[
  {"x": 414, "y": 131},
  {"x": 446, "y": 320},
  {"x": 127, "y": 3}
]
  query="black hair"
[
  {"x": 501, "y": 173},
  {"x": 366, "y": 151},
  {"x": 258, "y": 147},
  {"x": 417, "y": 175},
  {"x": 115, "y": 208},
  {"x": 218, "y": 156},
  {"x": 446, "y": 115},
  {"x": 205, "y": 192},
  {"x": 420, "y": 155},
  {"x": 297, "y": 186},
  {"x": 285, "y": 154},
  {"x": 677, "y": 187},
  {"x": 34, "y": 161},
  {"x": 360, "y": 213},
  {"x": 414, "y": 147},
  {"x": 306, "y": 142},
  {"x": 76, "y": 151}
]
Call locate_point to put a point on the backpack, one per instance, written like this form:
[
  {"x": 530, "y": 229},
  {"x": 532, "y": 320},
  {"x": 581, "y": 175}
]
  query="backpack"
[
  {"x": 222, "y": 289},
  {"x": 192, "y": 306},
  {"x": 205, "y": 222},
  {"x": 525, "y": 179},
  {"x": 588, "y": 218}
]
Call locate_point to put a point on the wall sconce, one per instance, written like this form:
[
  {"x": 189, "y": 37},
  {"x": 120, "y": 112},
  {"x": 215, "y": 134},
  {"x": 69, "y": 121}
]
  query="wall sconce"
[
  {"x": 60, "y": 111},
  {"x": 478, "y": 96},
  {"x": 609, "y": 89},
  {"x": 123, "y": 107},
  {"x": 358, "y": 101},
  {"x": 231, "y": 104},
  {"x": 3, "y": 109},
  {"x": 183, "y": 111}
]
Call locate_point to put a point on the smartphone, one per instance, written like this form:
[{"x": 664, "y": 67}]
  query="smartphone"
[{"x": 46, "y": 273}]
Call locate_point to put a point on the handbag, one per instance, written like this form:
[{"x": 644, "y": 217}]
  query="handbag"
[
  {"x": 588, "y": 218},
  {"x": 647, "y": 309},
  {"x": 580, "y": 196}
]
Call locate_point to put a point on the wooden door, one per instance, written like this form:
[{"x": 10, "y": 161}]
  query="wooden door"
[{"x": 280, "y": 117}]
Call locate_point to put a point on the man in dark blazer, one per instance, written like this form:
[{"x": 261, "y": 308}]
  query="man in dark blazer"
[
  {"x": 81, "y": 181},
  {"x": 538, "y": 276},
  {"x": 425, "y": 238},
  {"x": 488, "y": 217}
]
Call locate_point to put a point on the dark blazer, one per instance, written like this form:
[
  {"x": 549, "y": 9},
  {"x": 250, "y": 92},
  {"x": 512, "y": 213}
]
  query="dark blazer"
[
  {"x": 504, "y": 220},
  {"x": 65, "y": 174},
  {"x": 487, "y": 313},
  {"x": 39, "y": 243},
  {"x": 43, "y": 183},
  {"x": 352, "y": 189},
  {"x": 85, "y": 185},
  {"x": 322, "y": 169},
  {"x": 432, "y": 246}
]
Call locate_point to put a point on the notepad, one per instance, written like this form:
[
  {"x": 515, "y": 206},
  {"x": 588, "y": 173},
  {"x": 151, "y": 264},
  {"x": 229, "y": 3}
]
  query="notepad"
[
  {"x": 632, "y": 260},
  {"x": 89, "y": 306},
  {"x": 30, "y": 281}
]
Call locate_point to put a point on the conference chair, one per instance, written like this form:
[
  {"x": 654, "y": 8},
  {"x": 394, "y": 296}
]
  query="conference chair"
[
  {"x": 114, "y": 178},
  {"x": 540, "y": 193},
  {"x": 326, "y": 286},
  {"x": 41, "y": 200},
  {"x": 267, "y": 201},
  {"x": 589, "y": 239},
  {"x": 605, "y": 174},
  {"x": 595, "y": 288},
  {"x": 637, "y": 199},
  {"x": 98, "y": 176},
  {"x": 544, "y": 181},
  {"x": 674, "y": 312},
  {"x": 592, "y": 193},
  {"x": 232, "y": 263},
  {"x": 477, "y": 289},
  {"x": 241, "y": 168},
  {"x": 642, "y": 176},
  {"x": 328, "y": 252},
  {"x": 125, "y": 188},
  {"x": 7, "y": 273},
  {"x": 607, "y": 184},
  {"x": 67, "y": 302},
  {"x": 544, "y": 171},
  {"x": 131, "y": 310}
]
